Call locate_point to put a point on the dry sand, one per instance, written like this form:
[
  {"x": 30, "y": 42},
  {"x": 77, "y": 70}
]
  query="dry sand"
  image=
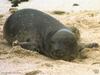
[{"x": 18, "y": 61}]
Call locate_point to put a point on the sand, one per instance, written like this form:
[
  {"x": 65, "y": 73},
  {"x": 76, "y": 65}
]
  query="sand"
[{"x": 18, "y": 61}]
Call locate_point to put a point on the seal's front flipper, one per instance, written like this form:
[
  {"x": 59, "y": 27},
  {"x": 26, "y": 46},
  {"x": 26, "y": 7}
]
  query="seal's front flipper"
[{"x": 25, "y": 45}]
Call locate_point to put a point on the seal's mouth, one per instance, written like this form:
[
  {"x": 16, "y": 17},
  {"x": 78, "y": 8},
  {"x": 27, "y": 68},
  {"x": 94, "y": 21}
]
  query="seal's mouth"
[
  {"x": 62, "y": 55},
  {"x": 57, "y": 54}
]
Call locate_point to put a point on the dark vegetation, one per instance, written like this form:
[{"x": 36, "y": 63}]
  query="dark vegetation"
[
  {"x": 75, "y": 4},
  {"x": 16, "y": 2}
]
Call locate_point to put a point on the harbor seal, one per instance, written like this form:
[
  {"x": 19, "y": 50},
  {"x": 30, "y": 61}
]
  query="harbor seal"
[{"x": 36, "y": 30}]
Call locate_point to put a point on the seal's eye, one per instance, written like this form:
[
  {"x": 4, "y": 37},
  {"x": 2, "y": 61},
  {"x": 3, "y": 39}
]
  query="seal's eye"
[
  {"x": 52, "y": 42},
  {"x": 28, "y": 40}
]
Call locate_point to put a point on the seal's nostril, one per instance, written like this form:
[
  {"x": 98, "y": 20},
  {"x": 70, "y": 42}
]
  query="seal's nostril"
[{"x": 71, "y": 58}]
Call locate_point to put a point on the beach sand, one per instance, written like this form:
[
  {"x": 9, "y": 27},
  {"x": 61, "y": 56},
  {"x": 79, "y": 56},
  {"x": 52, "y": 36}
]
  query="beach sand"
[{"x": 18, "y": 61}]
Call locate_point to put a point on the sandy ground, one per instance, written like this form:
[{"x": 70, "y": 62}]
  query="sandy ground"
[{"x": 18, "y": 61}]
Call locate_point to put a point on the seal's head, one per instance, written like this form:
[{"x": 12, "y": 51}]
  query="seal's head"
[{"x": 63, "y": 45}]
